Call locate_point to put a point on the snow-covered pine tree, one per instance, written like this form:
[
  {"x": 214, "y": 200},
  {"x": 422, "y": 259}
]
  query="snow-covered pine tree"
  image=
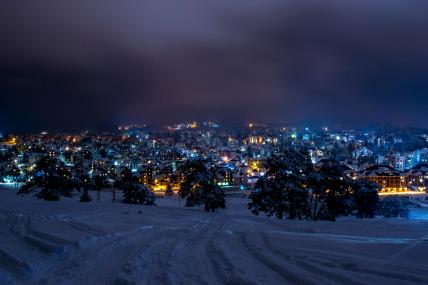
[{"x": 199, "y": 186}]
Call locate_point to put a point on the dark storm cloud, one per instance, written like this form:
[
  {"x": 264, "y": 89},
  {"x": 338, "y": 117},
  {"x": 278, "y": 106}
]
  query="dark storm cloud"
[{"x": 67, "y": 64}]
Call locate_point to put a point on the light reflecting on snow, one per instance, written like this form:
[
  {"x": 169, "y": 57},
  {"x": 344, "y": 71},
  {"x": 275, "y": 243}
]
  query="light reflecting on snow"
[{"x": 418, "y": 213}]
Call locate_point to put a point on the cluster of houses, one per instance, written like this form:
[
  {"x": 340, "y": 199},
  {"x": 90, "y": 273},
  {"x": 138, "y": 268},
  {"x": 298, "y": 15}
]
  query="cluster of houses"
[
  {"x": 238, "y": 156},
  {"x": 390, "y": 179}
]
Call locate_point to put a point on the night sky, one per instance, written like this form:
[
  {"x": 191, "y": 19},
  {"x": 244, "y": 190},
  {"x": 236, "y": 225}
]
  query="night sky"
[{"x": 86, "y": 64}]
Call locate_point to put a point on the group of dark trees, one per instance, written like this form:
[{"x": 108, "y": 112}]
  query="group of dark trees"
[
  {"x": 53, "y": 179},
  {"x": 292, "y": 188},
  {"x": 199, "y": 186},
  {"x": 133, "y": 192}
]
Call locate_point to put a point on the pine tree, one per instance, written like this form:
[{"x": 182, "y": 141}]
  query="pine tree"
[
  {"x": 292, "y": 188},
  {"x": 133, "y": 192},
  {"x": 366, "y": 198},
  {"x": 333, "y": 191},
  {"x": 130, "y": 192},
  {"x": 85, "y": 197},
  {"x": 282, "y": 191},
  {"x": 199, "y": 186},
  {"x": 54, "y": 178}
]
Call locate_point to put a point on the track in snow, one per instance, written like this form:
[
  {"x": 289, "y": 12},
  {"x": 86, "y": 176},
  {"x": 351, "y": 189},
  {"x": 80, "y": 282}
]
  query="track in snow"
[{"x": 166, "y": 245}]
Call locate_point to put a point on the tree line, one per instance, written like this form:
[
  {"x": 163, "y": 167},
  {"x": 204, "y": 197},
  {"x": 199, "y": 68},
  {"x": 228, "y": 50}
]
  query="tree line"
[{"x": 291, "y": 188}]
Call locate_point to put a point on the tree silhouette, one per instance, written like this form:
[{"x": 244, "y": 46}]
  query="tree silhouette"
[
  {"x": 292, "y": 188},
  {"x": 366, "y": 198},
  {"x": 199, "y": 187}
]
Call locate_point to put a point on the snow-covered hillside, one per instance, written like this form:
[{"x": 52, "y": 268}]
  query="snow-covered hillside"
[{"x": 68, "y": 242}]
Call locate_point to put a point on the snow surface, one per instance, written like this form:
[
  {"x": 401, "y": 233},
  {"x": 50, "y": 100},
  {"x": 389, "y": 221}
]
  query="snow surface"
[{"x": 68, "y": 242}]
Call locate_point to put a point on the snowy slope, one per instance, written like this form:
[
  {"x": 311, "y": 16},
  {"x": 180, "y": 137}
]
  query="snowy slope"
[{"x": 68, "y": 242}]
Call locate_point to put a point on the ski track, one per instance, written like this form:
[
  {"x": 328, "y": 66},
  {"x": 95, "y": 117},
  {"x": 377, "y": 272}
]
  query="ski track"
[{"x": 204, "y": 248}]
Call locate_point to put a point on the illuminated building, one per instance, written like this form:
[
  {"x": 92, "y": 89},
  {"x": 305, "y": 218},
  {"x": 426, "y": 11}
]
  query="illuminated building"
[
  {"x": 227, "y": 179},
  {"x": 11, "y": 141},
  {"x": 255, "y": 140},
  {"x": 146, "y": 176},
  {"x": 388, "y": 178},
  {"x": 417, "y": 177}
]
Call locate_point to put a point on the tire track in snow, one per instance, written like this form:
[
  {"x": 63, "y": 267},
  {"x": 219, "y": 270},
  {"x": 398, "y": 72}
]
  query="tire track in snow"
[
  {"x": 86, "y": 259},
  {"x": 369, "y": 267},
  {"x": 301, "y": 261}
]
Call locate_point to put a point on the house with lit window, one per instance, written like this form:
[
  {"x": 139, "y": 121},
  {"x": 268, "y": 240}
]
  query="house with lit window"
[
  {"x": 417, "y": 177},
  {"x": 228, "y": 179},
  {"x": 387, "y": 177}
]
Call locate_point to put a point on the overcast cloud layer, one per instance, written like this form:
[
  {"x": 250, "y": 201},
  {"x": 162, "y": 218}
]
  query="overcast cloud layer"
[{"x": 78, "y": 64}]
